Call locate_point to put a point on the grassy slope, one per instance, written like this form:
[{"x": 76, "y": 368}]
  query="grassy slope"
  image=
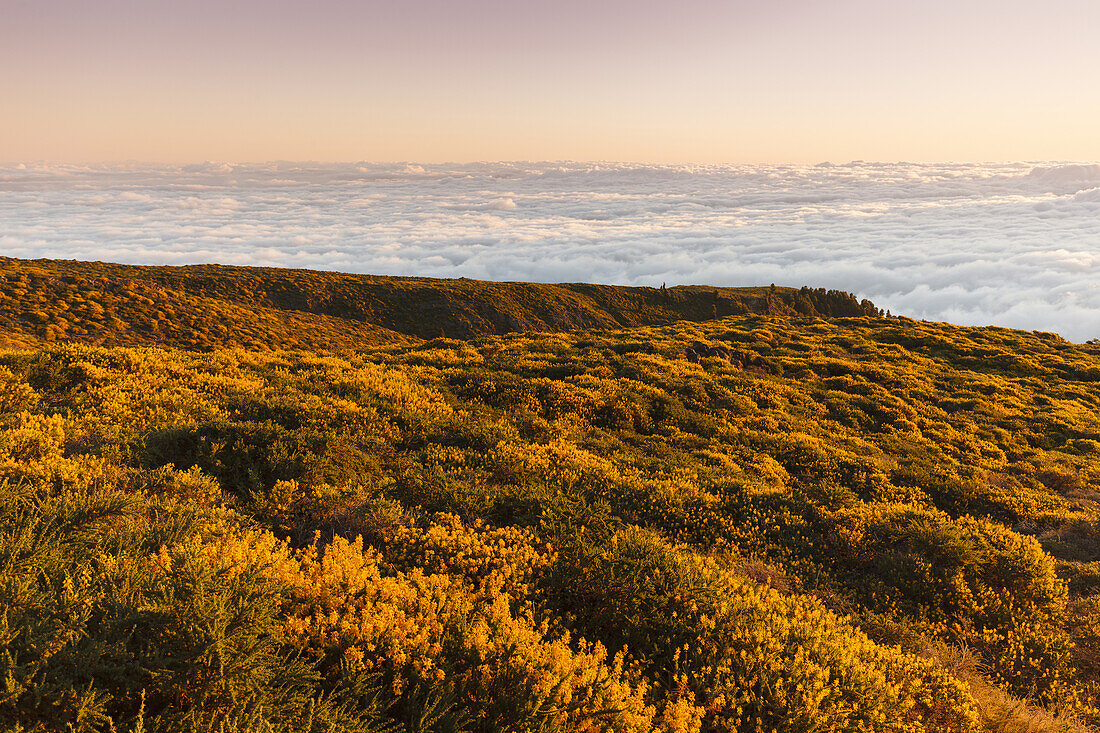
[{"x": 210, "y": 305}]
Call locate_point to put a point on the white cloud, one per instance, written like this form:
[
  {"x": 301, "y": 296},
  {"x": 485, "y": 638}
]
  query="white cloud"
[
  {"x": 1014, "y": 244},
  {"x": 1067, "y": 175}
]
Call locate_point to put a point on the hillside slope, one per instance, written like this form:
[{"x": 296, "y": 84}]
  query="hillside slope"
[
  {"x": 210, "y": 305},
  {"x": 754, "y": 523}
]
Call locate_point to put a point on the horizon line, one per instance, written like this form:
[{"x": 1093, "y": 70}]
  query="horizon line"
[{"x": 17, "y": 164}]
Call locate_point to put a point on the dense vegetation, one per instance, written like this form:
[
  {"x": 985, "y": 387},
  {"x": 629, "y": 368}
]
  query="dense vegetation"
[
  {"x": 209, "y": 306},
  {"x": 754, "y": 523}
]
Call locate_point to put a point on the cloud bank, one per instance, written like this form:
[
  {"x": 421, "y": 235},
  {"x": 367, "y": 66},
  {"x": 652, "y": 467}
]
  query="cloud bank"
[{"x": 1014, "y": 245}]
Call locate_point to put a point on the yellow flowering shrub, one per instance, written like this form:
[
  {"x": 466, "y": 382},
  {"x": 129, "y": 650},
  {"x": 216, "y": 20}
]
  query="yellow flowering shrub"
[
  {"x": 749, "y": 657},
  {"x": 420, "y": 628},
  {"x": 493, "y": 560},
  {"x": 985, "y": 585}
]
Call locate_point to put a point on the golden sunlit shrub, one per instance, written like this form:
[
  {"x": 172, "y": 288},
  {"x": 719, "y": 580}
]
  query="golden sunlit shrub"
[
  {"x": 420, "y": 628},
  {"x": 987, "y": 586},
  {"x": 750, "y": 657},
  {"x": 100, "y": 630},
  {"x": 493, "y": 560}
]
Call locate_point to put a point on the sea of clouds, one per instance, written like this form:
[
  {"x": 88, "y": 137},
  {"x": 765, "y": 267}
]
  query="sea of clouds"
[{"x": 1009, "y": 244}]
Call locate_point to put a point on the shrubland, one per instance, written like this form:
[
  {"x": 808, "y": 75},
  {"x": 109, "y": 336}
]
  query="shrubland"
[
  {"x": 201, "y": 307},
  {"x": 845, "y": 524}
]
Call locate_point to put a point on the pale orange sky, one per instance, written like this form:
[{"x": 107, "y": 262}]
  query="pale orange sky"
[{"x": 442, "y": 80}]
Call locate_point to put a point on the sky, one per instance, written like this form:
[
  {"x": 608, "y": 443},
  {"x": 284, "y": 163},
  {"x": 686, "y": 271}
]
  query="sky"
[
  {"x": 692, "y": 81},
  {"x": 975, "y": 244}
]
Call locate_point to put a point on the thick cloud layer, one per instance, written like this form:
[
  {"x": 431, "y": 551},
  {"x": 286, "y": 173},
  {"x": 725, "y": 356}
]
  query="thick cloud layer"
[{"x": 1013, "y": 245}]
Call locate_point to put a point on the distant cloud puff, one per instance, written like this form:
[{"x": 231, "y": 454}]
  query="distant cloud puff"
[
  {"x": 1015, "y": 245},
  {"x": 1071, "y": 174}
]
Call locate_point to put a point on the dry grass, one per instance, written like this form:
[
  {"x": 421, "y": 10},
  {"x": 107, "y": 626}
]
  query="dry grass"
[
  {"x": 765, "y": 574},
  {"x": 1000, "y": 711}
]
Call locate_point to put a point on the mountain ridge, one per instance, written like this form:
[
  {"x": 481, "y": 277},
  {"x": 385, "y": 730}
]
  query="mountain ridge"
[{"x": 126, "y": 304}]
